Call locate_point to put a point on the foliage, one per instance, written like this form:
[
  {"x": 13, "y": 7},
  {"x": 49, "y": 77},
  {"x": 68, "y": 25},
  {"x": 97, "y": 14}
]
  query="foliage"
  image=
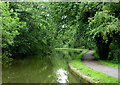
[
  {"x": 114, "y": 52},
  {"x": 10, "y": 28},
  {"x": 86, "y": 25},
  {"x": 103, "y": 24},
  {"x": 35, "y": 35},
  {"x": 10, "y": 25},
  {"x": 109, "y": 62},
  {"x": 103, "y": 27},
  {"x": 6, "y": 60},
  {"x": 38, "y": 27},
  {"x": 80, "y": 56}
]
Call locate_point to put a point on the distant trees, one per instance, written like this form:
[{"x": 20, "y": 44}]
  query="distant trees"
[
  {"x": 31, "y": 27},
  {"x": 90, "y": 25}
]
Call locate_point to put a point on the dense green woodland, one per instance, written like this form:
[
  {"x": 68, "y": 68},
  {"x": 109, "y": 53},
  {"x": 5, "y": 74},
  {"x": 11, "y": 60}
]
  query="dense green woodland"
[{"x": 29, "y": 28}]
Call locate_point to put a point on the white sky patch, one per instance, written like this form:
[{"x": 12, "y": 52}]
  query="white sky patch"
[
  {"x": 43, "y": 6},
  {"x": 64, "y": 25},
  {"x": 63, "y": 17},
  {"x": 48, "y": 15},
  {"x": 46, "y": 0}
]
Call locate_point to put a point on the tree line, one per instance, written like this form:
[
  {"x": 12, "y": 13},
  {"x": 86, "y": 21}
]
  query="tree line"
[{"x": 32, "y": 27}]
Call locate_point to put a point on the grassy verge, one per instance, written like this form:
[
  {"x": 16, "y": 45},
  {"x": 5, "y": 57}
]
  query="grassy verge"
[
  {"x": 95, "y": 75},
  {"x": 106, "y": 62},
  {"x": 80, "y": 56},
  {"x": 69, "y": 49},
  {"x": 109, "y": 63}
]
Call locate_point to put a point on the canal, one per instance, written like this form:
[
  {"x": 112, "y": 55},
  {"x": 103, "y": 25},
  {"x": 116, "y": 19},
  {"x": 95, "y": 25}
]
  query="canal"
[{"x": 51, "y": 68}]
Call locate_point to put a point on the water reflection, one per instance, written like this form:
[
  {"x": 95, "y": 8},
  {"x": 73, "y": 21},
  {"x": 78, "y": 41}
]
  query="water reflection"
[
  {"x": 50, "y": 69},
  {"x": 62, "y": 76}
]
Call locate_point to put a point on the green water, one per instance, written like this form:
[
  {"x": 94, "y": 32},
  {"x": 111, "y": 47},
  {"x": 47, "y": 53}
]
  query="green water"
[{"x": 50, "y": 69}]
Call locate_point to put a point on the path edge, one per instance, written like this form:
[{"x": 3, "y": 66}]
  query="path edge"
[{"x": 79, "y": 75}]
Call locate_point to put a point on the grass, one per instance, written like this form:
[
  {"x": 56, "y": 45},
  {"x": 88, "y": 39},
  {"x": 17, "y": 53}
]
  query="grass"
[
  {"x": 106, "y": 62},
  {"x": 109, "y": 63},
  {"x": 69, "y": 49},
  {"x": 80, "y": 56},
  {"x": 95, "y": 75}
]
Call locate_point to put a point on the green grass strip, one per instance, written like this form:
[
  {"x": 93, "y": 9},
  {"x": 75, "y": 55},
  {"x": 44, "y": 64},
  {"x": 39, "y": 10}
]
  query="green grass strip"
[
  {"x": 69, "y": 49},
  {"x": 80, "y": 56},
  {"x": 95, "y": 75},
  {"x": 109, "y": 63}
]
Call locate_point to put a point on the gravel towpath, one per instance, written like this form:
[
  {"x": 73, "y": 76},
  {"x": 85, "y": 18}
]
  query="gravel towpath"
[{"x": 89, "y": 60}]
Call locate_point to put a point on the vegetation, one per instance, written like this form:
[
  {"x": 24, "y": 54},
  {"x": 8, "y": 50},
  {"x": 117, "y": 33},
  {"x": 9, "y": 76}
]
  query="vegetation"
[
  {"x": 109, "y": 63},
  {"x": 24, "y": 32},
  {"x": 80, "y": 56},
  {"x": 29, "y": 28},
  {"x": 94, "y": 75},
  {"x": 69, "y": 49},
  {"x": 89, "y": 26},
  {"x": 35, "y": 27},
  {"x": 106, "y": 62}
]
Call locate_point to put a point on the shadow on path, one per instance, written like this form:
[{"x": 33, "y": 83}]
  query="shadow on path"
[{"x": 89, "y": 60}]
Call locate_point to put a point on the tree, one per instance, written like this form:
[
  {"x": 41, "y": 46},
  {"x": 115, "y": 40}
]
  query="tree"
[
  {"x": 10, "y": 25},
  {"x": 36, "y": 35},
  {"x": 10, "y": 29},
  {"x": 103, "y": 27}
]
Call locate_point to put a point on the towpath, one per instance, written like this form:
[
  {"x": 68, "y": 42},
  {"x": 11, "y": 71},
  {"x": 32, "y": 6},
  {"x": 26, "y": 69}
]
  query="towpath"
[{"x": 89, "y": 60}]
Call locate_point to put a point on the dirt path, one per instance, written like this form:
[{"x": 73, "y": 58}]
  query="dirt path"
[{"x": 89, "y": 60}]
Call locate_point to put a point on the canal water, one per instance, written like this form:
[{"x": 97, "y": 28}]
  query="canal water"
[{"x": 34, "y": 69}]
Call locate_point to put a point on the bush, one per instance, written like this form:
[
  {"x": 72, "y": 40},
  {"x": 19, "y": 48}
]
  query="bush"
[
  {"x": 6, "y": 60},
  {"x": 114, "y": 52}
]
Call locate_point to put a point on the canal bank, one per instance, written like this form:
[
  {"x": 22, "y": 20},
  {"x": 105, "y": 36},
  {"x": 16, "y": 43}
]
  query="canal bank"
[
  {"x": 54, "y": 69},
  {"x": 80, "y": 70},
  {"x": 79, "y": 75}
]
